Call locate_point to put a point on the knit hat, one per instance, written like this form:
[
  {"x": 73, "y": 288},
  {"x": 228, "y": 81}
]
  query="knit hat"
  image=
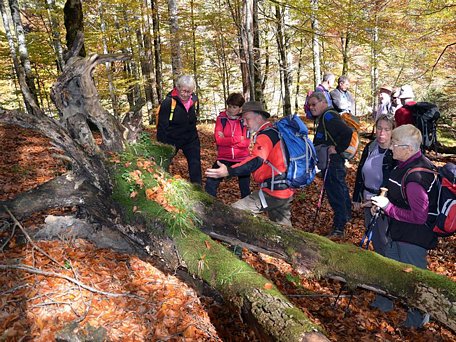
[
  {"x": 406, "y": 92},
  {"x": 254, "y": 106}
]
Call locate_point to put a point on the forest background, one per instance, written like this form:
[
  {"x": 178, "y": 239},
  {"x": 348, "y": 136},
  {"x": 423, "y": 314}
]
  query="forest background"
[{"x": 273, "y": 51}]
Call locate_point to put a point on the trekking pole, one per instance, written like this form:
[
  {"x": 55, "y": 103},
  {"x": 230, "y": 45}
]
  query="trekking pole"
[
  {"x": 320, "y": 198},
  {"x": 368, "y": 233}
]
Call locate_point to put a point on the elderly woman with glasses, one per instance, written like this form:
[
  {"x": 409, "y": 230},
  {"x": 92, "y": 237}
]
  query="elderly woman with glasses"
[
  {"x": 411, "y": 206},
  {"x": 177, "y": 124},
  {"x": 373, "y": 173}
]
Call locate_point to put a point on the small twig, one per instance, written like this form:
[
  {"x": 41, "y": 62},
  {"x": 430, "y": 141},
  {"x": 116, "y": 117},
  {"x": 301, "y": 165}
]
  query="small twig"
[
  {"x": 14, "y": 289},
  {"x": 18, "y": 224},
  {"x": 9, "y": 238},
  {"x": 62, "y": 276},
  {"x": 318, "y": 295}
]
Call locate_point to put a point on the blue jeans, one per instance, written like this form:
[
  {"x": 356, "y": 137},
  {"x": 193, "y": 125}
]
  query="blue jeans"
[
  {"x": 213, "y": 183},
  {"x": 337, "y": 190}
]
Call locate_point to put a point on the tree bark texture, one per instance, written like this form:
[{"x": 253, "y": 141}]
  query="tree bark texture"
[{"x": 74, "y": 23}]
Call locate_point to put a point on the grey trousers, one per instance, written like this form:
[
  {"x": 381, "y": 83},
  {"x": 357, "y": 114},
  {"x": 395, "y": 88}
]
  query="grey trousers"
[{"x": 278, "y": 209}]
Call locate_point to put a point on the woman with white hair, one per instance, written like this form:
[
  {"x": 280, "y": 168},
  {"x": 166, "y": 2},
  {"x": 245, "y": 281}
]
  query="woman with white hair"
[
  {"x": 177, "y": 124},
  {"x": 411, "y": 206}
]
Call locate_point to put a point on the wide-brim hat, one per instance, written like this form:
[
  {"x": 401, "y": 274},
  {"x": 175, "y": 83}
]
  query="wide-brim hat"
[
  {"x": 406, "y": 92},
  {"x": 396, "y": 92},
  {"x": 385, "y": 89},
  {"x": 254, "y": 106}
]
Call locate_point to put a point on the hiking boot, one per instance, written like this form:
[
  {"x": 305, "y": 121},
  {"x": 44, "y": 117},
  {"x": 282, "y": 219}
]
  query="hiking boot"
[{"x": 337, "y": 233}]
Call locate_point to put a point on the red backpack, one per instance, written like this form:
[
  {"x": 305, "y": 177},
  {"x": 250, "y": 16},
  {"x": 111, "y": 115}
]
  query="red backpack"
[{"x": 445, "y": 222}]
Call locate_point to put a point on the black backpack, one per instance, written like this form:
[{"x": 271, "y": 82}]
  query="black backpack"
[{"x": 425, "y": 116}]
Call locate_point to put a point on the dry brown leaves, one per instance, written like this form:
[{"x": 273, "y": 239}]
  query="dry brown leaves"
[{"x": 172, "y": 310}]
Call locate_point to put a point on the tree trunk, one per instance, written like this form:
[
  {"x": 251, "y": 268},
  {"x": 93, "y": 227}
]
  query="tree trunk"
[
  {"x": 157, "y": 50},
  {"x": 283, "y": 48},
  {"x": 298, "y": 76},
  {"x": 18, "y": 70},
  {"x": 315, "y": 41},
  {"x": 73, "y": 23},
  {"x": 256, "y": 53},
  {"x": 23, "y": 51},
  {"x": 53, "y": 18},
  {"x": 374, "y": 65},
  {"x": 176, "y": 60}
]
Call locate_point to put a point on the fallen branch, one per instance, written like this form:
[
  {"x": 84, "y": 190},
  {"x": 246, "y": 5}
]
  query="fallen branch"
[
  {"x": 18, "y": 224},
  {"x": 62, "y": 276}
]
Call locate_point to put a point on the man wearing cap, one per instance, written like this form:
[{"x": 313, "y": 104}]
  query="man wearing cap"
[
  {"x": 333, "y": 136},
  {"x": 384, "y": 101},
  {"x": 266, "y": 152},
  {"x": 403, "y": 115}
]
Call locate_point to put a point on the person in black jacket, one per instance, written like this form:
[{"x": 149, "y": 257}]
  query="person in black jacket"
[
  {"x": 177, "y": 124},
  {"x": 411, "y": 206},
  {"x": 373, "y": 172},
  {"x": 330, "y": 124}
]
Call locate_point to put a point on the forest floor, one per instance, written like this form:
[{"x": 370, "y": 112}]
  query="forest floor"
[{"x": 36, "y": 306}]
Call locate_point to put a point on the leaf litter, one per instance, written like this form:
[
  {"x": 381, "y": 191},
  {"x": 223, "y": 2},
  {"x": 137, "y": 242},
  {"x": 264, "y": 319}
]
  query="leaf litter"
[{"x": 163, "y": 307}]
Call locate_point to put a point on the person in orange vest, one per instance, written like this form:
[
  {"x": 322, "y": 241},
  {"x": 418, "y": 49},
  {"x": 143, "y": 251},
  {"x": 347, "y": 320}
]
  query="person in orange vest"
[
  {"x": 274, "y": 200},
  {"x": 176, "y": 124}
]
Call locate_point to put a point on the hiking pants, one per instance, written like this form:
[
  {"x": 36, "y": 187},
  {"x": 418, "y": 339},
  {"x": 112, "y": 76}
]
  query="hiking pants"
[
  {"x": 213, "y": 183},
  {"x": 279, "y": 209},
  {"x": 192, "y": 152},
  {"x": 337, "y": 190}
]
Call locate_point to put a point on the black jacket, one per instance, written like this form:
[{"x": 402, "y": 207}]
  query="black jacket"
[
  {"x": 417, "y": 234},
  {"x": 336, "y": 127},
  {"x": 388, "y": 164},
  {"x": 179, "y": 130}
]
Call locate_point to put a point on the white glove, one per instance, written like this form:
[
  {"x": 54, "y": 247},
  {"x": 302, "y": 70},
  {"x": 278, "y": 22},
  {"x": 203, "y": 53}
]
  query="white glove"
[{"x": 380, "y": 201}]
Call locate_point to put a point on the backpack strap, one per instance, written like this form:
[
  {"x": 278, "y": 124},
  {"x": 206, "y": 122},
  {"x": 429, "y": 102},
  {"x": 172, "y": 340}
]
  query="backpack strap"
[
  {"x": 173, "y": 106},
  {"x": 410, "y": 171},
  {"x": 327, "y": 134}
]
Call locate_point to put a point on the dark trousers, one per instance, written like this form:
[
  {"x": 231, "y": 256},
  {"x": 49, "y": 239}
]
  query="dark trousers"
[
  {"x": 337, "y": 190},
  {"x": 213, "y": 183},
  {"x": 192, "y": 152}
]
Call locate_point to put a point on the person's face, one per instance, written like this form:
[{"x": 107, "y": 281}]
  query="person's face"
[
  {"x": 331, "y": 82},
  {"x": 384, "y": 97},
  {"x": 400, "y": 150},
  {"x": 252, "y": 121},
  {"x": 344, "y": 85},
  {"x": 185, "y": 92},
  {"x": 383, "y": 133},
  {"x": 316, "y": 107},
  {"x": 232, "y": 110}
]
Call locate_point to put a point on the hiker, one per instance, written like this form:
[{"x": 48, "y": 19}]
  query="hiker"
[
  {"x": 342, "y": 99},
  {"x": 232, "y": 143},
  {"x": 266, "y": 150},
  {"x": 395, "y": 101},
  {"x": 404, "y": 115},
  {"x": 177, "y": 124},
  {"x": 384, "y": 102},
  {"x": 326, "y": 85},
  {"x": 408, "y": 203},
  {"x": 334, "y": 172},
  {"x": 373, "y": 173}
]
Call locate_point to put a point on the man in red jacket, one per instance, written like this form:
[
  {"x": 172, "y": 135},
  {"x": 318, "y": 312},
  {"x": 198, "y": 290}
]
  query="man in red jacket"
[{"x": 267, "y": 151}]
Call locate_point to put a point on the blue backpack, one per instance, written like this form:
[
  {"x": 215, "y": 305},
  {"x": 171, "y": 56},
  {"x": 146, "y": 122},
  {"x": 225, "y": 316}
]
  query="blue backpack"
[{"x": 299, "y": 150}]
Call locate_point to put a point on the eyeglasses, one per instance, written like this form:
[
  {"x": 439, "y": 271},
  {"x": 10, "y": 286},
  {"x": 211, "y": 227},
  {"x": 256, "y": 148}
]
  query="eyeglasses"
[
  {"x": 184, "y": 91},
  {"x": 313, "y": 104},
  {"x": 399, "y": 145}
]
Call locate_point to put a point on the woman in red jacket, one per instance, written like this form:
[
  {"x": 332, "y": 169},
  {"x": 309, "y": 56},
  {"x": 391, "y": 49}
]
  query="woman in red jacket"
[{"x": 231, "y": 137}]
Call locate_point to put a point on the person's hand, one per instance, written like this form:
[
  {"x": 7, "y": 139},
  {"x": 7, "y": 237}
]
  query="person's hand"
[
  {"x": 220, "y": 134},
  {"x": 332, "y": 149},
  {"x": 380, "y": 201},
  {"x": 356, "y": 206},
  {"x": 222, "y": 171}
]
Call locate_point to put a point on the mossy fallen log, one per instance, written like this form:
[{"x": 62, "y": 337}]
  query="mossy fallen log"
[
  {"x": 185, "y": 210},
  {"x": 150, "y": 197}
]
